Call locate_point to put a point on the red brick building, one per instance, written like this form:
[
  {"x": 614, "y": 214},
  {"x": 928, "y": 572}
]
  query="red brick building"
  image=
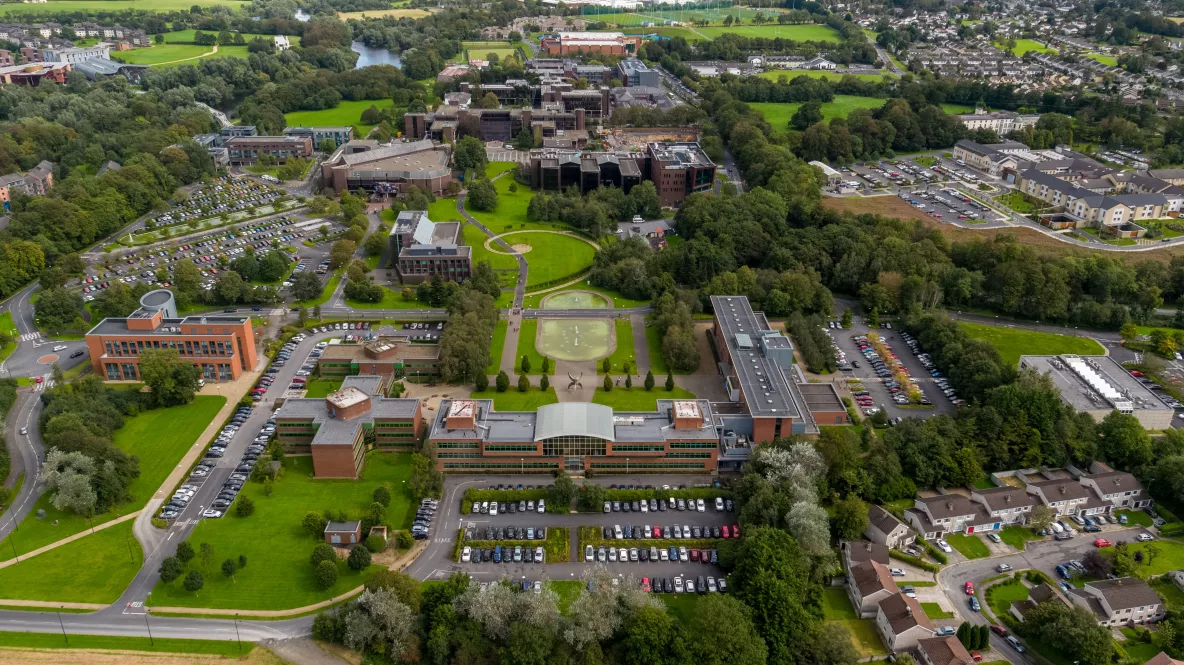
[{"x": 609, "y": 43}]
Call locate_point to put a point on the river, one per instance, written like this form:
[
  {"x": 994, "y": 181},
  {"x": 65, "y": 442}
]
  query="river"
[{"x": 366, "y": 55}]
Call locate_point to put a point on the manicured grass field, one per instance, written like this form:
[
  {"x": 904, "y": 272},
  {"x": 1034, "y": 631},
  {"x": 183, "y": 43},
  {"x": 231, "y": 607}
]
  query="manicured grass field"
[
  {"x": 345, "y": 113},
  {"x": 321, "y": 387},
  {"x": 957, "y": 108},
  {"x": 114, "y": 5},
  {"x": 496, "y": 347},
  {"x": 229, "y": 648},
  {"x": 481, "y": 50},
  {"x": 836, "y": 605},
  {"x": 93, "y": 569},
  {"x": 526, "y": 338},
  {"x": 934, "y": 611},
  {"x": 1104, "y": 59},
  {"x": 779, "y": 114},
  {"x": 1022, "y": 46},
  {"x": 666, "y": 31},
  {"x": 971, "y": 547},
  {"x": 278, "y": 575},
  {"x": 801, "y": 33},
  {"x": 140, "y": 436},
  {"x": 835, "y": 76},
  {"x": 1136, "y": 650},
  {"x": 187, "y": 36},
  {"x": 624, "y": 350},
  {"x": 512, "y": 400},
  {"x": 654, "y": 342},
  {"x": 8, "y": 327},
  {"x": 1170, "y": 556},
  {"x": 442, "y": 210},
  {"x": 163, "y": 53},
  {"x": 638, "y": 399},
  {"x": 391, "y": 299},
  {"x": 552, "y": 256},
  {"x": 1014, "y": 342},
  {"x": 382, "y": 13},
  {"x": 1018, "y": 536},
  {"x": 475, "y": 238},
  {"x": 1003, "y": 595}
]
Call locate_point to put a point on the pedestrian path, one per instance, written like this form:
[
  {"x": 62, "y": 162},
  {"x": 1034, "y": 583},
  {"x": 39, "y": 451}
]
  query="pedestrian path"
[{"x": 64, "y": 541}]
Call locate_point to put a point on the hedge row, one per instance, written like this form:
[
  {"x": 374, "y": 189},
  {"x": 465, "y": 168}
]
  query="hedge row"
[
  {"x": 592, "y": 535},
  {"x": 506, "y": 496},
  {"x": 937, "y": 554},
  {"x": 916, "y": 561},
  {"x": 704, "y": 493}
]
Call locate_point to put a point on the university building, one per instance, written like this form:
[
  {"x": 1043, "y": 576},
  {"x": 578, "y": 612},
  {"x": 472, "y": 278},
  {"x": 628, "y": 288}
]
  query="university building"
[
  {"x": 393, "y": 357},
  {"x": 424, "y": 248},
  {"x": 676, "y": 169},
  {"x": 222, "y": 346}
]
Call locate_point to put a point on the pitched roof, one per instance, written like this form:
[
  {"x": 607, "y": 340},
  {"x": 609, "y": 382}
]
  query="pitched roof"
[
  {"x": 904, "y": 613},
  {"x": 1005, "y": 498},
  {"x": 949, "y": 505},
  {"x": 861, "y": 550},
  {"x": 883, "y": 520},
  {"x": 1061, "y": 490},
  {"x": 945, "y": 651},
  {"x": 1125, "y": 592},
  {"x": 870, "y": 577},
  {"x": 1115, "y": 481},
  {"x": 1162, "y": 658}
]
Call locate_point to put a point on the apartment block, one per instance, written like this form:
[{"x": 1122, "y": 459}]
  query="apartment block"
[{"x": 246, "y": 150}]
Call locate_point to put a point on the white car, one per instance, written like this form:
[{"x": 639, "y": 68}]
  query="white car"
[
  {"x": 588, "y": 553},
  {"x": 945, "y": 547},
  {"x": 212, "y": 514},
  {"x": 897, "y": 572},
  {"x": 608, "y": 507},
  {"x": 542, "y": 506},
  {"x": 1144, "y": 537},
  {"x": 60, "y": 347},
  {"x": 493, "y": 507},
  {"x": 467, "y": 554},
  {"x": 719, "y": 504},
  {"x": 701, "y": 506}
]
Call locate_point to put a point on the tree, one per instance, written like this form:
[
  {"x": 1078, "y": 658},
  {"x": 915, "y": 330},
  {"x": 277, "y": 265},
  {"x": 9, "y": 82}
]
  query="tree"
[
  {"x": 725, "y": 635},
  {"x": 847, "y": 317},
  {"x": 481, "y": 382},
  {"x": 544, "y": 383},
  {"x": 1129, "y": 332},
  {"x": 314, "y": 524},
  {"x": 205, "y": 555},
  {"x": 606, "y": 365},
  {"x": 322, "y": 552},
  {"x": 185, "y": 552},
  {"x": 325, "y": 575},
  {"x": 374, "y": 245},
  {"x": 359, "y": 558},
  {"x": 341, "y": 252},
  {"x": 469, "y": 153},
  {"x": 964, "y": 635},
  {"x": 1042, "y": 517},
  {"x": 194, "y": 581},
  {"x": 483, "y": 196},
  {"x": 807, "y": 115},
  {"x": 628, "y": 382},
  {"x": 1123, "y": 442},
  {"x": 229, "y": 568},
  {"x": 1097, "y": 565},
  {"x": 850, "y": 517},
  {"x": 244, "y": 507},
  {"x": 377, "y": 512},
  {"x": 57, "y": 308},
  {"x": 503, "y": 381},
  {"x": 830, "y": 644},
  {"x": 306, "y": 285},
  {"x": 526, "y": 364},
  {"x": 406, "y": 589},
  {"x": 382, "y": 496},
  {"x": 873, "y": 318},
  {"x": 669, "y": 381},
  {"x": 546, "y": 365},
  {"x": 523, "y": 383},
  {"x": 173, "y": 381},
  {"x": 170, "y": 569},
  {"x": 608, "y": 383}
]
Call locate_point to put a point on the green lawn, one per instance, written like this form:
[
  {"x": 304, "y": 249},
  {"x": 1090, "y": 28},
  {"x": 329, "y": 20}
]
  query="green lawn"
[
  {"x": 779, "y": 114},
  {"x": 1136, "y": 517},
  {"x": 1104, "y": 59},
  {"x": 836, "y": 605},
  {"x": 390, "y": 300},
  {"x": 140, "y": 436},
  {"x": 1172, "y": 596},
  {"x": 1018, "y": 536},
  {"x": 624, "y": 350},
  {"x": 971, "y": 547},
  {"x": 1022, "y": 46},
  {"x": 934, "y": 611},
  {"x": 1014, "y": 342},
  {"x": 441, "y": 210},
  {"x": 864, "y": 636},
  {"x": 957, "y": 108},
  {"x": 278, "y": 575},
  {"x": 493, "y": 169},
  {"x": 801, "y": 33},
  {"x": 321, "y": 387},
  {"x": 638, "y": 399},
  {"x": 497, "y": 346},
  {"x": 1004, "y": 594},
  {"x": 552, "y": 256},
  {"x": 475, "y": 238},
  {"x": 526, "y": 338},
  {"x": 654, "y": 342},
  {"x": 619, "y": 301},
  {"x": 163, "y": 53},
  {"x": 512, "y": 400},
  {"x": 115, "y": 5},
  {"x": 345, "y": 113},
  {"x": 666, "y": 31},
  {"x": 835, "y": 76},
  {"x": 228, "y": 648},
  {"x": 8, "y": 327},
  {"x": 1169, "y": 558},
  {"x": 330, "y": 287},
  {"x": 568, "y": 591},
  {"x": 93, "y": 569}
]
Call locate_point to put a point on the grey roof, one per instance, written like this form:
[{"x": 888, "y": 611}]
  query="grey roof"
[
  {"x": 904, "y": 613},
  {"x": 1125, "y": 592},
  {"x": 949, "y": 505},
  {"x": 342, "y": 527},
  {"x": 1115, "y": 481},
  {"x": 767, "y": 391},
  {"x": 367, "y": 383},
  {"x": 883, "y": 520},
  {"x": 1053, "y": 182},
  {"x": 945, "y": 651},
  {"x": 1004, "y": 498},
  {"x": 871, "y": 577},
  {"x": 575, "y": 419},
  {"x": 1062, "y": 490},
  {"x": 862, "y": 550},
  {"x": 396, "y": 150}
]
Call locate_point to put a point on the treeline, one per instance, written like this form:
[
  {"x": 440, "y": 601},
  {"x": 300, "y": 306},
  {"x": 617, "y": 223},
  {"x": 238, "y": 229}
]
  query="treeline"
[
  {"x": 596, "y": 214},
  {"x": 465, "y": 342},
  {"x": 814, "y": 345},
  {"x": 972, "y": 366}
]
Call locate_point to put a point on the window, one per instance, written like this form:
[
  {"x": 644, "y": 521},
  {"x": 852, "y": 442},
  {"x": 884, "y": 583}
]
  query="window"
[
  {"x": 574, "y": 445},
  {"x": 456, "y": 444},
  {"x": 620, "y": 448},
  {"x": 532, "y": 448},
  {"x": 687, "y": 444}
]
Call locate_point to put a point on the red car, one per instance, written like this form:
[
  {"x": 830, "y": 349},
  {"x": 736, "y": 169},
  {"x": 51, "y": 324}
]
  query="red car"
[
  {"x": 999, "y": 630},
  {"x": 736, "y": 531},
  {"x": 1102, "y": 542},
  {"x": 969, "y": 588},
  {"x": 645, "y": 584},
  {"x": 694, "y": 555},
  {"x": 724, "y": 532},
  {"x": 978, "y": 657}
]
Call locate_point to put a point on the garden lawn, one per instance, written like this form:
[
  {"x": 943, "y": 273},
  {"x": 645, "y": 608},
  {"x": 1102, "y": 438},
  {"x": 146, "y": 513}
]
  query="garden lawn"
[
  {"x": 278, "y": 575},
  {"x": 497, "y": 346},
  {"x": 801, "y": 33},
  {"x": 321, "y": 387},
  {"x": 390, "y": 300},
  {"x": 229, "y": 648},
  {"x": 778, "y": 114},
  {"x": 638, "y": 399},
  {"x": 345, "y": 113},
  {"x": 836, "y": 605},
  {"x": 140, "y": 436},
  {"x": 116, "y": 5},
  {"x": 835, "y": 76},
  {"x": 1004, "y": 594},
  {"x": 1136, "y": 517},
  {"x": 568, "y": 591},
  {"x": 493, "y": 169},
  {"x": 162, "y": 53},
  {"x": 654, "y": 342},
  {"x": 475, "y": 238},
  {"x": 552, "y": 256},
  {"x": 1018, "y": 536},
  {"x": 526, "y": 339},
  {"x": 971, "y": 547},
  {"x": 441, "y": 210},
  {"x": 623, "y": 352},
  {"x": 1169, "y": 558},
  {"x": 1172, "y": 596},
  {"x": 1022, "y": 46},
  {"x": 1136, "y": 650},
  {"x": 93, "y": 569},
  {"x": 934, "y": 611},
  {"x": 512, "y": 400},
  {"x": 1014, "y": 342},
  {"x": 864, "y": 636},
  {"x": 1104, "y": 59},
  {"x": 8, "y": 328}
]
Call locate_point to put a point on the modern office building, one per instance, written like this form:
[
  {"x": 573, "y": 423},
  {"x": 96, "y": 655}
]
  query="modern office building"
[
  {"x": 471, "y": 437},
  {"x": 676, "y": 169},
  {"x": 246, "y": 150},
  {"x": 223, "y": 346},
  {"x": 424, "y": 248},
  {"x": 388, "y": 169},
  {"x": 634, "y": 72},
  {"x": 396, "y": 357},
  {"x": 339, "y": 135},
  {"x": 340, "y": 428}
]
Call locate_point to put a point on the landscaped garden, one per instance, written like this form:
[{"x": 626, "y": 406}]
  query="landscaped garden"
[
  {"x": 1000, "y": 596},
  {"x": 638, "y": 398},
  {"x": 513, "y": 400},
  {"x": 278, "y": 574},
  {"x": 93, "y": 569},
  {"x": 345, "y": 113}
]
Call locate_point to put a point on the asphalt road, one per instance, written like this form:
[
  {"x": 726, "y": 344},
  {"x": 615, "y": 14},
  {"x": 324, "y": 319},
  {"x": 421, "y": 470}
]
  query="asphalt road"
[{"x": 29, "y": 453}]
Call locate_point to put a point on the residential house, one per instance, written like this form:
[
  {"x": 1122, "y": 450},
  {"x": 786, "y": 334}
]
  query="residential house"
[
  {"x": 1007, "y": 505},
  {"x": 1162, "y": 658},
  {"x": 902, "y": 623},
  {"x": 1118, "y": 489},
  {"x": 1041, "y": 593},
  {"x": 1062, "y": 495},
  {"x": 942, "y": 651},
  {"x": 1126, "y": 600},
  {"x": 868, "y": 584},
  {"x": 885, "y": 529},
  {"x": 935, "y": 516}
]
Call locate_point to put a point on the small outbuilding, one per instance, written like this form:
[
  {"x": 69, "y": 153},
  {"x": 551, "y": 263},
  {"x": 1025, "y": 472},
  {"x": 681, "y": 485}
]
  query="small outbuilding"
[{"x": 343, "y": 533}]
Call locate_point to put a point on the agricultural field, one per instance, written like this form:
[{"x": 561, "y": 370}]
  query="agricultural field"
[
  {"x": 1014, "y": 342},
  {"x": 801, "y": 33},
  {"x": 791, "y": 74},
  {"x": 115, "y": 5},
  {"x": 383, "y": 13},
  {"x": 778, "y": 114},
  {"x": 345, "y": 113}
]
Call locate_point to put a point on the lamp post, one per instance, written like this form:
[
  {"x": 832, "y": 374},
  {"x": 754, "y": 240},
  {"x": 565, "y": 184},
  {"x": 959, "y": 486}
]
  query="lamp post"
[
  {"x": 146, "y": 611},
  {"x": 63, "y": 625},
  {"x": 236, "y": 635},
  {"x": 521, "y": 465}
]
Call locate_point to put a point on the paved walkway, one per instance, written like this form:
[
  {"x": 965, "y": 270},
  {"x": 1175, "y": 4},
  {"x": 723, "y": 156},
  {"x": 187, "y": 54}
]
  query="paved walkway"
[
  {"x": 641, "y": 348},
  {"x": 63, "y": 541},
  {"x": 520, "y": 284},
  {"x": 509, "y": 361}
]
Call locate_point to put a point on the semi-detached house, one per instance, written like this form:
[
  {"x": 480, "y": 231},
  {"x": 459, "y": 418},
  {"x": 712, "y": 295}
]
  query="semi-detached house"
[
  {"x": 902, "y": 623},
  {"x": 936, "y": 516},
  {"x": 1119, "y": 602},
  {"x": 1118, "y": 488}
]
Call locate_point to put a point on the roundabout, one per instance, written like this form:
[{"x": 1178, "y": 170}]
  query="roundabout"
[{"x": 49, "y": 359}]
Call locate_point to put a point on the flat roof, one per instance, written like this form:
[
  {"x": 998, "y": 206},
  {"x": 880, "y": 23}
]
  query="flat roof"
[
  {"x": 358, "y": 351},
  {"x": 821, "y": 397},
  {"x": 118, "y": 326},
  {"x": 768, "y": 393},
  {"x": 1095, "y": 383}
]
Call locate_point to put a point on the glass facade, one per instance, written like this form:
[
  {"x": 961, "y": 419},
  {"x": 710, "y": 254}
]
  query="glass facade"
[
  {"x": 511, "y": 448},
  {"x": 699, "y": 444},
  {"x": 500, "y": 466},
  {"x": 619, "y": 448},
  {"x": 560, "y": 446}
]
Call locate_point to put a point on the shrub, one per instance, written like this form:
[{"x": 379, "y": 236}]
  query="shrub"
[
  {"x": 159, "y": 523},
  {"x": 359, "y": 558},
  {"x": 322, "y": 552},
  {"x": 325, "y": 575},
  {"x": 404, "y": 540},
  {"x": 375, "y": 543},
  {"x": 382, "y": 495},
  {"x": 314, "y": 524},
  {"x": 466, "y": 507},
  {"x": 245, "y": 507}
]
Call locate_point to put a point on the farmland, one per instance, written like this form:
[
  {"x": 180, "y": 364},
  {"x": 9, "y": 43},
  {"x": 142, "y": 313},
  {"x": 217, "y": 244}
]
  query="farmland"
[
  {"x": 778, "y": 114},
  {"x": 115, "y": 5}
]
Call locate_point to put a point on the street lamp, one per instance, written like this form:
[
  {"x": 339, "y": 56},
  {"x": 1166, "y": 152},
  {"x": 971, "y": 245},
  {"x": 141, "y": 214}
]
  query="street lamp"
[
  {"x": 151, "y": 642},
  {"x": 64, "y": 636},
  {"x": 521, "y": 465},
  {"x": 236, "y": 635}
]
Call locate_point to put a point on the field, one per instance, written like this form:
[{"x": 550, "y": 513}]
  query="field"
[
  {"x": 639, "y": 399},
  {"x": 512, "y": 400},
  {"x": 654, "y": 343},
  {"x": 552, "y": 255},
  {"x": 971, "y": 547},
  {"x": 93, "y": 569},
  {"x": 801, "y": 33},
  {"x": 957, "y": 108},
  {"x": 623, "y": 352},
  {"x": 140, "y": 436},
  {"x": 526, "y": 338},
  {"x": 682, "y": 16},
  {"x": 791, "y": 74},
  {"x": 163, "y": 53},
  {"x": 121, "y": 643},
  {"x": 383, "y": 13},
  {"x": 278, "y": 575},
  {"x": 1022, "y": 46},
  {"x": 480, "y": 50},
  {"x": 1014, "y": 342},
  {"x": 8, "y": 327},
  {"x": 495, "y": 348},
  {"x": 345, "y": 113},
  {"x": 778, "y": 114},
  {"x": 1104, "y": 59},
  {"x": 115, "y": 5},
  {"x": 666, "y": 31}
]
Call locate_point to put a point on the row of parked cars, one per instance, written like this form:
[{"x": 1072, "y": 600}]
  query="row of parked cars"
[
  {"x": 677, "y": 585},
  {"x": 423, "y": 518},
  {"x": 926, "y": 360},
  {"x": 501, "y": 554},
  {"x": 1158, "y": 389},
  {"x": 669, "y": 503},
  {"x": 510, "y": 507},
  {"x": 676, "y": 531},
  {"x": 613, "y": 554},
  {"x": 507, "y": 533}
]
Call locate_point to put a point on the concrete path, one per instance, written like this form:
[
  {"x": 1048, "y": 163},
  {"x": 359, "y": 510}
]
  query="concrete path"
[
  {"x": 520, "y": 284},
  {"x": 509, "y": 360},
  {"x": 68, "y": 539}
]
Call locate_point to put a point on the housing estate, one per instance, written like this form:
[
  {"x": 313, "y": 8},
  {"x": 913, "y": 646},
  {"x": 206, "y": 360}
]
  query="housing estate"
[{"x": 1119, "y": 602}]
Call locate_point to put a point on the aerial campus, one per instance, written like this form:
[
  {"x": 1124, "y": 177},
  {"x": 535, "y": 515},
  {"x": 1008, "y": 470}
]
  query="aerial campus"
[{"x": 604, "y": 331}]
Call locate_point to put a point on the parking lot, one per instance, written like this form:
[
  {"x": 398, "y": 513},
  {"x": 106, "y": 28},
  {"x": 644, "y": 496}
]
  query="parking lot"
[
  {"x": 223, "y": 196},
  {"x": 948, "y": 204},
  {"x": 892, "y": 173},
  {"x": 497, "y": 151}
]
